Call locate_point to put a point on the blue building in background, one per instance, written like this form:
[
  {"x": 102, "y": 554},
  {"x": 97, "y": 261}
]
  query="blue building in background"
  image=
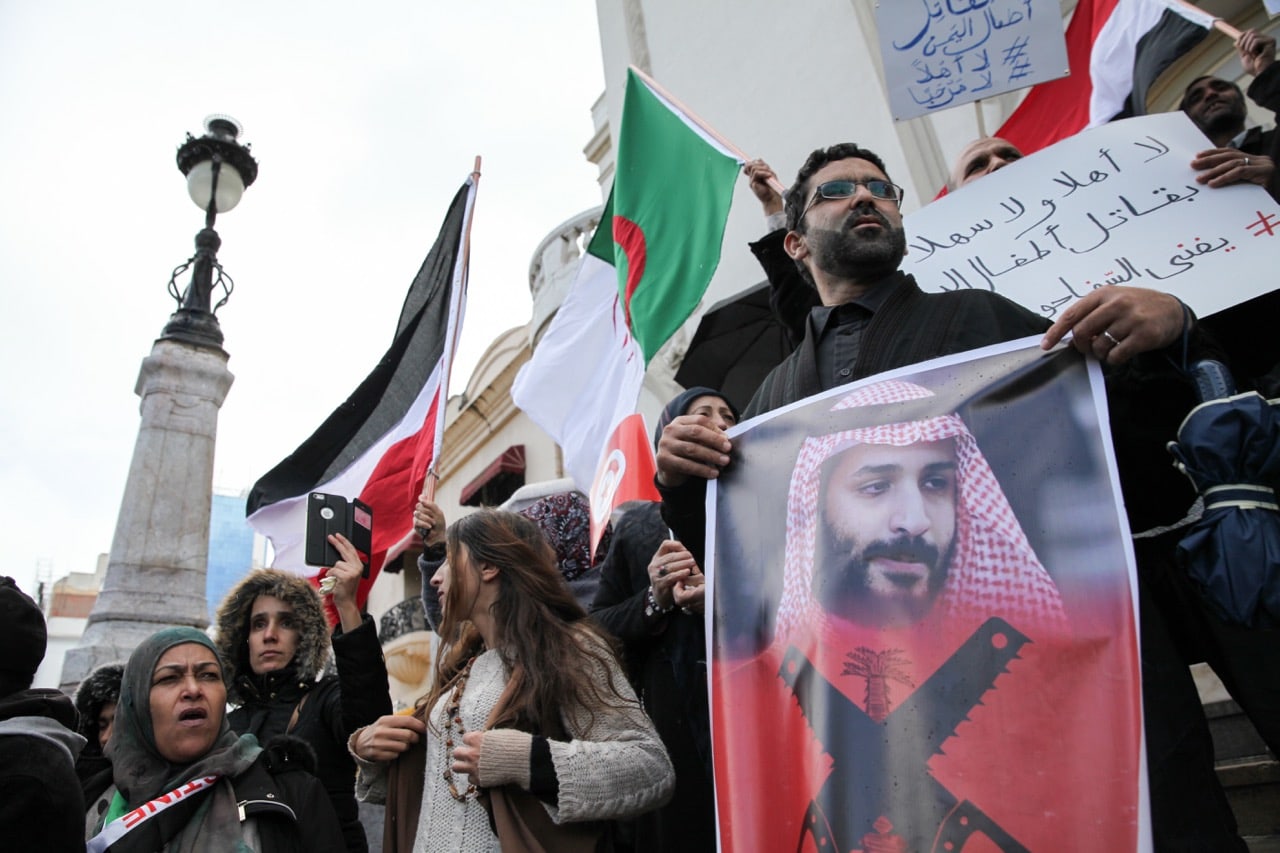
[{"x": 231, "y": 553}]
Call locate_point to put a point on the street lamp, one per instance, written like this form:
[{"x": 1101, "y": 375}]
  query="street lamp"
[
  {"x": 218, "y": 168},
  {"x": 156, "y": 572}
]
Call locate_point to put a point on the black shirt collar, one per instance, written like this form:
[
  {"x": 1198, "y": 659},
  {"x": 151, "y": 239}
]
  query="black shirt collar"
[{"x": 824, "y": 317}]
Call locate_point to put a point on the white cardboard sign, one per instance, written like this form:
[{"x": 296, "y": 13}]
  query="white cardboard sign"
[
  {"x": 943, "y": 53},
  {"x": 1117, "y": 204}
]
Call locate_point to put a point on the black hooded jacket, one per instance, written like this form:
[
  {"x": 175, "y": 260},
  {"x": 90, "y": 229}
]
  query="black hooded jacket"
[
  {"x": 100, "y": 687},
  {"x": 41, "y": 806}
]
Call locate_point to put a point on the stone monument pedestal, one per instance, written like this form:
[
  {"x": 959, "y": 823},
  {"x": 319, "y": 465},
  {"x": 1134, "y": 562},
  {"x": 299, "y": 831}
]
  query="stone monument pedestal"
[{"x": 160, "y": 550}]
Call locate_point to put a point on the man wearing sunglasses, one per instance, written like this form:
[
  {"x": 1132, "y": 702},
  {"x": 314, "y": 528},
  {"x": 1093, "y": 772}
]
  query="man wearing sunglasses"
[
  {"x": 789, "y": 298},
  {"x": 845, "y": 234}
]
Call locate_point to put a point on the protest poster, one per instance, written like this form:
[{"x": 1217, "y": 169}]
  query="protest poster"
[
  {"x": 944, "y": 53},
  {"x": 923, "y": 623},
  {"x": 1118, "y": 204}
]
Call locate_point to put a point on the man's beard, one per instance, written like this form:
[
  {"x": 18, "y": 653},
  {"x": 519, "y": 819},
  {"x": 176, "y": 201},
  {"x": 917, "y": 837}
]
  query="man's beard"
[
  {"x": 842, "y": 581},
  {"x": 1226, "y": 121},
  {"x": 848, "y": 255}
]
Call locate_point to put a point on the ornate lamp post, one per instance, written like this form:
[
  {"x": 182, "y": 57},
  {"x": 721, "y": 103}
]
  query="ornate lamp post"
[
  {"x": 218, "y": 168},
  {"x": 160, "y": 551}
]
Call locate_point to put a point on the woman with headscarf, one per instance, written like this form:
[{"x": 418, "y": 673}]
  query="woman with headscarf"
[
  {"x": 184, "y": 782},
  {"x": 651, "y": 599},
  {"x": 529, "y": 719}
]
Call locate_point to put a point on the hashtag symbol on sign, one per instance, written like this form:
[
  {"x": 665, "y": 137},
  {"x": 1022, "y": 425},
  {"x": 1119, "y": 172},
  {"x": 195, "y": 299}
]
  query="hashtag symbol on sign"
[
  {"x": 1015, "y": 57},
  {"x": 1265, "y": 223}
]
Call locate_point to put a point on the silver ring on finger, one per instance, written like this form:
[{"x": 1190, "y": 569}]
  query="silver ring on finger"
[
  {"x": 1246, "y": 161},
  {"x": 1115, "y": 342}
]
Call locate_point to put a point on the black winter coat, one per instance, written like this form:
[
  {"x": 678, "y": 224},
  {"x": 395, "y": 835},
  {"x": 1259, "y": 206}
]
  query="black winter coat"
[
  {"x": 334, "y": 707},
  {"x": 287, "y": 805},
  {"x": 41, "y": 805},
  {"x": 666, "y": 661}
]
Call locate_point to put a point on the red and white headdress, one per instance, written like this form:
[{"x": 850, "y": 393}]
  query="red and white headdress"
[{"x": 993, "y": 570}]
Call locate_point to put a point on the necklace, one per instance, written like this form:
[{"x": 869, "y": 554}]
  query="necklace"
[{"x": 454, "y": 718}]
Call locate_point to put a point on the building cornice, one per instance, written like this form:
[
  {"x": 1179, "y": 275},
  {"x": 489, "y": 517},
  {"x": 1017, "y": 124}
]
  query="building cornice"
[{"x": 472, "y": 420}]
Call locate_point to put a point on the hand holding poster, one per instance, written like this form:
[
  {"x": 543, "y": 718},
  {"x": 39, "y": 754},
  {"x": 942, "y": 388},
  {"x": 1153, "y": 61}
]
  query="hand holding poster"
[
  {"x": 949, "y": 652},
  {"x": 1118, "y": 204}
]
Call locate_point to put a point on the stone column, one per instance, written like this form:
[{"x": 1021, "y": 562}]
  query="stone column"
[{"x": 160, "y": 551}]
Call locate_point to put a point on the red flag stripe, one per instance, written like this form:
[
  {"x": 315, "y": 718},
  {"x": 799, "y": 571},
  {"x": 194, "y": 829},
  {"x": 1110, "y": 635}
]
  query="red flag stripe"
[
  {"x": 1059, "y": 108},
  {"x": 379, "y": 445}
]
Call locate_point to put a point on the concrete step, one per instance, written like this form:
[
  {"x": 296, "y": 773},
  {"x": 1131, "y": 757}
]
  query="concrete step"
[
  {"x": 1234, "y": 737},
  {"x": 1253, "y": 788},
  {"x": 1249, "y": 773}
]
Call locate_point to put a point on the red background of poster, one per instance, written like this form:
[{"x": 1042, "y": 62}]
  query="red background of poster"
[{"x": 1052, "y": 754}]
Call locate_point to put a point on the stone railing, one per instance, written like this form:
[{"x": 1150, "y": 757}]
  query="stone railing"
[
  {"x": 403, "y": 618},
  {"x": 554, "y": 266}
]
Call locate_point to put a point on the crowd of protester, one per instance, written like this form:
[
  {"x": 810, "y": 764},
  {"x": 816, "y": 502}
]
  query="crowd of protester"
[{"x": 568, "y": 710}]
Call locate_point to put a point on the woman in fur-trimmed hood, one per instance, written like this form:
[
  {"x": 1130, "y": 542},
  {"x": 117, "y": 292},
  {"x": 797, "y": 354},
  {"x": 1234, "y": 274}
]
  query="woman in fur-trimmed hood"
[
  {"x": 96, "y": 700},
  {"x": 274, "y": 638},
  {"x": 311, "y": 652}
]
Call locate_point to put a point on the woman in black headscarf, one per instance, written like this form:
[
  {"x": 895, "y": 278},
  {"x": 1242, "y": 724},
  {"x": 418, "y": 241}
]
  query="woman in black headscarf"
[
  {"x": 184, "y": 782},
  {"x": 651, "y": 597}
]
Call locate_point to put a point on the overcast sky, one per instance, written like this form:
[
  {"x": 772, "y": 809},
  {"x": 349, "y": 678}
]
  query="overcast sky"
[{"x": 364, "y": 120}]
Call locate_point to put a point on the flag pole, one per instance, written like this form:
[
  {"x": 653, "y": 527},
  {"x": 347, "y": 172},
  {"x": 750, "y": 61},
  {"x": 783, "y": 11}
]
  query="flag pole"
[
  {"x": 432, "y": 477},
  {"x": 982, "y": 122},
  {"x": 698, "y": 120},
  {"x": 1218, "y": 24}
]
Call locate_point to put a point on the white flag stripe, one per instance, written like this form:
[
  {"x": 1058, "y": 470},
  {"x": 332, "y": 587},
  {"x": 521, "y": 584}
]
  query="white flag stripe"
[
  {"x": 586, "y": 371},
  {"x": 1116, "y": 48},
  {"x": 457, "y": 311},
  {"x": 285, "y": 522},
  {"x": 692, "y": 124},
  {"x": 1191, "y": 13}
]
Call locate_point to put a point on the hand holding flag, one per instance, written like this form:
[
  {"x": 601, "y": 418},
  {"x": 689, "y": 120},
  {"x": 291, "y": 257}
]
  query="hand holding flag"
[{"x": 644, "y": 271}]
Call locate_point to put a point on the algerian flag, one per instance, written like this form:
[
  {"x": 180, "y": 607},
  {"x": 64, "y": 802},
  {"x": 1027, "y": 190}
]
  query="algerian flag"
[{"x": 643, "y": 273}]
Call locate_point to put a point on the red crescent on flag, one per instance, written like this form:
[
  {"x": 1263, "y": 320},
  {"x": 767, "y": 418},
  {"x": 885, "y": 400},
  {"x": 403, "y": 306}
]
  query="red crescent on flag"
[{"x": 630, "y": 238}]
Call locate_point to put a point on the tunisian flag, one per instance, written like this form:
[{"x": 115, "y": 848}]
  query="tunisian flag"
[
  {"x": 380, "y": 443},
  {"x": 625, "y": 474},
  {"x": 1116, "y": 50}
]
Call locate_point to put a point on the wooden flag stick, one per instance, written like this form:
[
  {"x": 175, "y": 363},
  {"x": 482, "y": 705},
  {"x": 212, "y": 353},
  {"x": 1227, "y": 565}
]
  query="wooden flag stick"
[
  {"x": 1218, "y": 24},
  {"x": 698, "y": 120},
  {"x": 982, "y": 122},
  {"x": 432, "y": 478}
]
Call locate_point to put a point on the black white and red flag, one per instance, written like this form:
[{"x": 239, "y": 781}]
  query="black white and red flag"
[
  {"x": 1117, "y": 49},
  {"x": 379, "y": 445}
]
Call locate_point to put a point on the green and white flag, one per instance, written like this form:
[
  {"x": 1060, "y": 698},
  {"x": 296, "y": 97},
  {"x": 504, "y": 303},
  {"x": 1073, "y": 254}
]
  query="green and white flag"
[{"x": 645, "y": 270}]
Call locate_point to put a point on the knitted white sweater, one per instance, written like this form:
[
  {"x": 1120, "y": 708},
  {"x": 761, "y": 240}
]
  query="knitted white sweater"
[{"x": 615, "y": 769}]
